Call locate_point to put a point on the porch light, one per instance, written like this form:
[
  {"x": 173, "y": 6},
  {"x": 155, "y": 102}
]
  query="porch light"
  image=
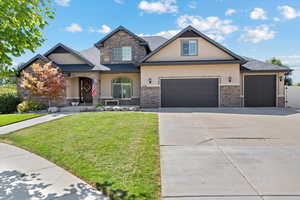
[
  {"x": 150, "y": 80},
  {"x": 280, "y": 78},
  {"x": 229, "y": 79}
]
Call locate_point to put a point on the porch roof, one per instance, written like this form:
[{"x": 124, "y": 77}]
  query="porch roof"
[{"x": 109, "y": 68}]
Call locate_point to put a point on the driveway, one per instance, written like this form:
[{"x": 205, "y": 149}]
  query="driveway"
[{"x": 230, "y": 154}]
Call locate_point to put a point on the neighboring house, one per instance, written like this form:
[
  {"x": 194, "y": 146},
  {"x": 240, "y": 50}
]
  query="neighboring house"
[{"x": 188, "y": 70}]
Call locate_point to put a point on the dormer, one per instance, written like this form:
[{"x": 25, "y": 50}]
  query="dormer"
[{"x": 122, "y": 46}]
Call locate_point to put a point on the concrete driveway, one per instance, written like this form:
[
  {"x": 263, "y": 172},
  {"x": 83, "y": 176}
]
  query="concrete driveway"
[{"x": 230, "y": 154}]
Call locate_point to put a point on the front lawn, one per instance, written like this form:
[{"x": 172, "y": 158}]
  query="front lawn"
[
  {"x": 6, "y": 119},
  {"x": 115, "y": 151}
]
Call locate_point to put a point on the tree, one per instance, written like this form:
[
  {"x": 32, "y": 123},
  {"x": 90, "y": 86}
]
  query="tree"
[
  {"x": 275, "y": 61},
  {"x": 44, "y": 80},
  {"x": 21, "y": 25}
]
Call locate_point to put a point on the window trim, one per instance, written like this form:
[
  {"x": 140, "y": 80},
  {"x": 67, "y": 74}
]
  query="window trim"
[
  {"x": 182, "y": 41},
  {"x": 112, "y": 88},
  {"x": 121, "y": 60}
]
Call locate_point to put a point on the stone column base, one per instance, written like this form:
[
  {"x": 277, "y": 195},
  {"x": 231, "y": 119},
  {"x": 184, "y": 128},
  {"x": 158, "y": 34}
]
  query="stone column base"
[
  {"x": 230, "y": 96},
  {"x": 150, "y": 97}
]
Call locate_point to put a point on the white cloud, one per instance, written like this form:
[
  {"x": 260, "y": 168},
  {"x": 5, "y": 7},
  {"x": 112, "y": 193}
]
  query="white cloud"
[
  {"x": 160, "y": 6},
  {"x": 104, "y": 29},
  {"x": 258, "y": 14},
  {"x": 73, "y": 28},
  {"x": 289, "y": 12},
  {"x": 290, "y": 60},
  {"x": 212, "y": 26},
  {"x": 258, "y": 34},
  {"x": 276, "y": 19},
  {"x": 166, "y": 34},
  {"x": 193, "y": 5},
  {"x": 230, "y": 12},
  {"x": 63, "y": 2}
]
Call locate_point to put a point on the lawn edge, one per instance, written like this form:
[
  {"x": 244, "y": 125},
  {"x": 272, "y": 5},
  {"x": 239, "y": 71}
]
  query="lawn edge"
[{"x": 41, "y": 115}]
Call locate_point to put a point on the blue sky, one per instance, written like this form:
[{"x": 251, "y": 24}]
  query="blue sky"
[{"x": 254, "y": 28}]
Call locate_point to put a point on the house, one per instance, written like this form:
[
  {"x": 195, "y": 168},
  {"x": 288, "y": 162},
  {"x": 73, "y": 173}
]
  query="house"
[{"x": 188, "y": 70}]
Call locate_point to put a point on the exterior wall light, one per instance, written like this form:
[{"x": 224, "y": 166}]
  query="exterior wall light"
[
  {"x": 150, "y": 80},
  {"x": 280, "y": 78},
  {"x": 229, "y": 79}
]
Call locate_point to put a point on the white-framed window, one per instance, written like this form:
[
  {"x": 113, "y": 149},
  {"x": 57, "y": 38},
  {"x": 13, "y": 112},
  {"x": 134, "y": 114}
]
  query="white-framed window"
[
  {"x": 189, "y": 47},
  {"x": 122, "y": 53},
  {"x": 121, "y": 88}
]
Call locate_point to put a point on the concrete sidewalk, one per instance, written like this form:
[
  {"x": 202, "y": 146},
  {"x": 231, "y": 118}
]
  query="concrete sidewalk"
[
  {"x": 24, "y": 175},
  {"x": 30, "y": 122}
]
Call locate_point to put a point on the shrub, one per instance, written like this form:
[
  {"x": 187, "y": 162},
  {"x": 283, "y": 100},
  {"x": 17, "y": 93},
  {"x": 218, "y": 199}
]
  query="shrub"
[
  {"x": 99, "y": 105},
  {"x": 27, "y": 106},
  {"x": 8, "y": 103}
]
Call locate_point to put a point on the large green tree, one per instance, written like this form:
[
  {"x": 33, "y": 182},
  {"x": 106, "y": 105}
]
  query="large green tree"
[
  {"x": 21, "y": 25},
  {"x": 276, "y": 61}
]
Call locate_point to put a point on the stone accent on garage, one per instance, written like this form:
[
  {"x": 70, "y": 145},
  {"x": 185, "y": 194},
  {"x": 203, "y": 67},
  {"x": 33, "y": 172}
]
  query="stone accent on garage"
[
  {"x": 150, "y": 97},
  {"x": 26, "y": 94},
  {"x": 120, "y": 39},
  {"x": 230, "y": 96},
  {"x": 281, "y": 102}
]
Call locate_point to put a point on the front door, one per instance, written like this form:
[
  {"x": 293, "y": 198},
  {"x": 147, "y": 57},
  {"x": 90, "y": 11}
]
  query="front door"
[{"x": 85, "y": 90}]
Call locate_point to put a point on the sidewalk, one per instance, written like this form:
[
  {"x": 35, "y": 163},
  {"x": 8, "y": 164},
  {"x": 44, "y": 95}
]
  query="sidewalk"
[
  {"x": 30, "y": 122},
  {"x": 25, "y": 175}
]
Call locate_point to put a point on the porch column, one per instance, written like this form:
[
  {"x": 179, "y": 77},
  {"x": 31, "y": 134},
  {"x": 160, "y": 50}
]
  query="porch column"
[
  {"x": 68, "y": 90},
  {"x": 96, "y": 97}
]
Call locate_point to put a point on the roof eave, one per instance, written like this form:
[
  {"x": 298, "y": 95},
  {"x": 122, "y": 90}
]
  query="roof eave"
[{"x": 191, "y": 62}]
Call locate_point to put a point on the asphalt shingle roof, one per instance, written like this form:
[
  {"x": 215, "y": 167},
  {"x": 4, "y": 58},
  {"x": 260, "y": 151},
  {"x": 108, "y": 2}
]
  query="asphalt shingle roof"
[
  {"x": 154, "y": 41},
  {"x": 257, "y": 65}
]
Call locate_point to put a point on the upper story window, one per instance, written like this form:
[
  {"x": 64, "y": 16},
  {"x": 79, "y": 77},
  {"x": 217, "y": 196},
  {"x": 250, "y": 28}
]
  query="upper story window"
[
  {"x": 189, "y": 47},
  {"x": 121, "y": 54}
]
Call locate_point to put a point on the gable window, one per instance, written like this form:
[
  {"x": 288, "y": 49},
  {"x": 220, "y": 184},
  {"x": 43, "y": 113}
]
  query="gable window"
[
  {"x": 122, "y": 54},
  {"x": 189, "y": 47},
  {"x": 122, "y": 88}
]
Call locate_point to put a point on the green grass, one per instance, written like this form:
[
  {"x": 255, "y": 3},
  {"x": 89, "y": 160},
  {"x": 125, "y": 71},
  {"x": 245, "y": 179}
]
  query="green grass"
[
  {"x": 6, "y": 119},
  {"x": 117, "y": 151},
  {"x": 10, "y": 88}
]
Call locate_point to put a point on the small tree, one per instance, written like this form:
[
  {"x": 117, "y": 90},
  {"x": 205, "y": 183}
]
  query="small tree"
[
  {"x": 44, "y": 80},
  {"x": 275, "y": 61}
]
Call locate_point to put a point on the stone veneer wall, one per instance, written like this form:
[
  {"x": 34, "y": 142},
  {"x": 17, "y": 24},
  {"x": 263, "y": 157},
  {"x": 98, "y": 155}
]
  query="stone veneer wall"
[
  {"x": 281, "y": 102},
  {"x": 150, "y": 97},
  {"x": 120, "y": 39},
  {"x": 230, "y": 96},
  {"x": 26, "y": 94}
]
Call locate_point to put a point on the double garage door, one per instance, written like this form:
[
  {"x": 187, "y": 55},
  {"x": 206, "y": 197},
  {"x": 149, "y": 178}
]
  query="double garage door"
[
  {"x": 190, "y": 92},
  {"x": 259, "y": 91}
]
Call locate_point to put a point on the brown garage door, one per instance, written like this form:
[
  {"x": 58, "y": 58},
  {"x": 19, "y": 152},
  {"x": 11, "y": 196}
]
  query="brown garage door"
[
  {"x": 189, "y": 92},
  {"x": 260, "y": 91}
]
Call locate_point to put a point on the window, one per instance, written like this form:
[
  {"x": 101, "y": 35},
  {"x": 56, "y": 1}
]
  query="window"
[
  {"x": 121, "y": 88},
  {"x": 121, "y": 54},
  {"x": 189, "y": 47}
]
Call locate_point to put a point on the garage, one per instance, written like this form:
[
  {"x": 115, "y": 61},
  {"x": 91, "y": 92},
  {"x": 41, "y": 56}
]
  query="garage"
[
  {"x": 260, "y": 90},
  {"x": 190, "y": 92}
]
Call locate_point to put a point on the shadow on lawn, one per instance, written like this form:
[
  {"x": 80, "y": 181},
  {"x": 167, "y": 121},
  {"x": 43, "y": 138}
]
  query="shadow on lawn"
[
  {"x": 16, "y": 185},
  {"x": 118, "y": 194}
]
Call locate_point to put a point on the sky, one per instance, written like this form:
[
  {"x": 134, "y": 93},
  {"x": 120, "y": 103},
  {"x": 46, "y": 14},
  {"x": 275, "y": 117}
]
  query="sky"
[{"x": 261, "y": 29}]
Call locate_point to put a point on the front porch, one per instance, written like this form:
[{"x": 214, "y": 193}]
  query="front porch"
[{"x": 94, "y": 88}]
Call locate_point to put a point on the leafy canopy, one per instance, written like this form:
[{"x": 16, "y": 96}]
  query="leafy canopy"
[{"x": 21, "y": 25}]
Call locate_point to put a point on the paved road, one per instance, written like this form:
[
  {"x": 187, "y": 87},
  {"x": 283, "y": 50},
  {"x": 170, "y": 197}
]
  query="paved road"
[
  {"x": 230, "y": 154},
  {"x": 30, "y": 122},
  {"x": 26, "y": 176}
]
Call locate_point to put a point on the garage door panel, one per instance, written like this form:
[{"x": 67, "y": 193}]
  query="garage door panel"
[
  {"x": 260, "y": 91},
  {"x": 189, "y": 92}
]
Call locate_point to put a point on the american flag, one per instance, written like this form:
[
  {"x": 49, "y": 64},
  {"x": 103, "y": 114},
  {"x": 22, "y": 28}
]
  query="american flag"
[{"x": 94, "y": 88}]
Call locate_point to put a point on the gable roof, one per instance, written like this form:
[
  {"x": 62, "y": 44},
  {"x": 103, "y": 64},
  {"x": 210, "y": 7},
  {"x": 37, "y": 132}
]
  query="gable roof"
[
  {"x": 36, "y": 57},
  {"x": 190, "y": 28},
  {"x": 254, "y": 65},
  {"x": 70, "y": 50},
  {"x": 121, "y": 28}
]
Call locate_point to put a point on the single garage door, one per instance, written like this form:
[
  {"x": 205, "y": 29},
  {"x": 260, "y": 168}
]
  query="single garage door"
[
  {"x": 189, "y": 92},
  {"x": 260, "y": 91}
]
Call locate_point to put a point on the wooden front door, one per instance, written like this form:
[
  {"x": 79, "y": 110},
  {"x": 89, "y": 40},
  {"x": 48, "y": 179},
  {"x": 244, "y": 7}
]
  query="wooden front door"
[{"x": 85, "y": 90}]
